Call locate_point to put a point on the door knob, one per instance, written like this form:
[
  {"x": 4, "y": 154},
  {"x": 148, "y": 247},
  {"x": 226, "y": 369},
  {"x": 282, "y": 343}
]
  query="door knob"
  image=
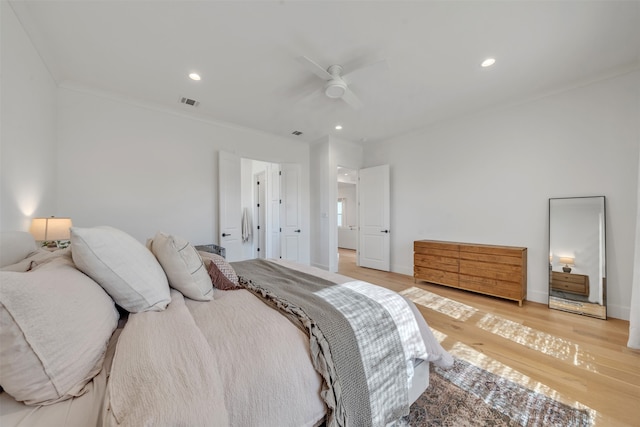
[
  {"x": 225, "y": 234},
  {"x": 296, "y": 231},
  {"x": 384, "y": 231}
]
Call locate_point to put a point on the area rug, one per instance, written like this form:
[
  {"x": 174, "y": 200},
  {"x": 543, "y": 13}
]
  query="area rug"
[{"x": 466, "y": 395}]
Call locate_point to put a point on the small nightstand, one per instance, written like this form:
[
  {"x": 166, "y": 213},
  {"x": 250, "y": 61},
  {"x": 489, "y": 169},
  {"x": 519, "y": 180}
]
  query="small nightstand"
[
  {"x": 212, "y": 248},
  {"x": 568, "y": 282}
]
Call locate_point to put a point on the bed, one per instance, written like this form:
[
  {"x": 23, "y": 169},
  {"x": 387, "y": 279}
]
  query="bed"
[{"x": 109, "y": 332}]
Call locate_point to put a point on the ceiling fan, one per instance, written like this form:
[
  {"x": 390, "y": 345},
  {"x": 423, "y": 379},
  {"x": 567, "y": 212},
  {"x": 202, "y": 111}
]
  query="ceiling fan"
[{"x": 336, "y": 84}]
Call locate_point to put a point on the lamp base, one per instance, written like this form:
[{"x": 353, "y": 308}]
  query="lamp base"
[{"x": 566, "y": 269}]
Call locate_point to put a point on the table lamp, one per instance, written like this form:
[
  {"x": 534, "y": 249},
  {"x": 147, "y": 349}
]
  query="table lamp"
[
  {"x": 51, "y": 230},
  {"x": 566, "y": 261}
]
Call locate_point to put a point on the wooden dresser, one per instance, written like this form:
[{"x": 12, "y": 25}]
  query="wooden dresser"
[
  {"x": 499, "y": 271},
  {"x": 567, "y": 282}
]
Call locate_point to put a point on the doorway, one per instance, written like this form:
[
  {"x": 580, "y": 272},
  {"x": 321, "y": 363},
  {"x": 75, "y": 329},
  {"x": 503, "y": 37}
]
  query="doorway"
[
  {"x": 273, "y": 205},
  {"x": 347, "y": 217}
]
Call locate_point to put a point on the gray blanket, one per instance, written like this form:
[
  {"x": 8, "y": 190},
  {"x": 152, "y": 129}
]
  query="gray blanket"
[{"x": 354, "y": 342}]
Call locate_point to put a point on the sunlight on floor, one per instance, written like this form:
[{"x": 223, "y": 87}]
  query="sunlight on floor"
[
  {"x": 536, "y": 340},
  {"x": 543, "y": 342},
  {"x": 446, "y": 306},
  {"x": 464, "y": 352}
]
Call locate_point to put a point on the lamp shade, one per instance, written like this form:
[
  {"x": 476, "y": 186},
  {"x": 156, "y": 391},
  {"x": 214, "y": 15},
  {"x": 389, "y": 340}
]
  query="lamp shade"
[
  {"x": 53, "y": 228},
  {"x": 566, "y": 260}
]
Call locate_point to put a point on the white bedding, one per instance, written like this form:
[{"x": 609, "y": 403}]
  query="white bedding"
[
  {"x": 231, "y": 361},
  {"x": 164, "y": 373},
  {"x": 363, "y": 338}
]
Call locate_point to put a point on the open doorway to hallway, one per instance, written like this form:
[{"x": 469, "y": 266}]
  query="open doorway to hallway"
[{"x": 347, "y": 216}]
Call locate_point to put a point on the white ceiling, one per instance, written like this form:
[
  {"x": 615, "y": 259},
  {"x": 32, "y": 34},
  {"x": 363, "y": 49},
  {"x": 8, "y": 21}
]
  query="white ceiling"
[{"x": 246, "y": 54}]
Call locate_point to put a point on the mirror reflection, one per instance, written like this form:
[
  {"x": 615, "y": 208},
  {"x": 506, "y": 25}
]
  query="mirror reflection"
[{"x": 577, "y": 255}]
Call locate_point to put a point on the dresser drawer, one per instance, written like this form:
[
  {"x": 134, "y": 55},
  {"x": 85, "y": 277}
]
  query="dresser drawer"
[
  {"x": 435, "y": 276},
  {"x": 504, "y": 289},
  {"x": 568, "y": 277},
  {"x": 510, "y": 273},
  {"x": 429, "y": 246},
  {"x": 573, "y": 283},
  {"x": 437, "y": 262}
]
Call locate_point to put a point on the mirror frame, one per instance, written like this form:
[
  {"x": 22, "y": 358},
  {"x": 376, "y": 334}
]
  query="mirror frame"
[{"x": 580, "y": 307}]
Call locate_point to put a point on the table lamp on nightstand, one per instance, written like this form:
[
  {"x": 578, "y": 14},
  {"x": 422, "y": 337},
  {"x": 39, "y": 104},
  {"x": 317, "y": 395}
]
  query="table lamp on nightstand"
[
  {"x": 566, "y": 261},
  {"x": 50, "y": 231}
]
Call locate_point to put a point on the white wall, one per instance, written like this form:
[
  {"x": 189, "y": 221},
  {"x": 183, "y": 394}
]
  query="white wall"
[
  {"x": 142, "y": 169},
  {"x": 488, "y": 178},
  {"x": 27, "y": 129}
]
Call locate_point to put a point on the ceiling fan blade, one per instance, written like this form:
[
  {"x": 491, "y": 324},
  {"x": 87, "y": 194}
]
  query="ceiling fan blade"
[
  {"x": 370, "y": 67},
  {"x": 304, "y": 99},
  {"x": 350, "y": 98},
  {"x": 314, "y": 68}
]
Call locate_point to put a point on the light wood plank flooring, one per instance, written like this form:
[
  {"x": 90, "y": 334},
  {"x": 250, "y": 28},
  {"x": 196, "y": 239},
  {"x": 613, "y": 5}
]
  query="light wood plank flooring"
[{"x": 575, "y": 359}]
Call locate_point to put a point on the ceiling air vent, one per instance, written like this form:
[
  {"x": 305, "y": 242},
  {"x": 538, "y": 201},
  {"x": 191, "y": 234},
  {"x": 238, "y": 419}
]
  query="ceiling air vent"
[
  {"x": 189, "y": 101},
  {"x": 296, "y": 133}
]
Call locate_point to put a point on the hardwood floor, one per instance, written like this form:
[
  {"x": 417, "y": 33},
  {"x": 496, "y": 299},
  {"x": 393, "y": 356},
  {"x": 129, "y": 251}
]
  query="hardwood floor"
[{"x": 578, "y": 360}]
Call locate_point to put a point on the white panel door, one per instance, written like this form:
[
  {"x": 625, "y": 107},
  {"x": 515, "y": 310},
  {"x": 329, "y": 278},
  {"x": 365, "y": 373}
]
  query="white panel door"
[
  {"x": 374, "y": 213},
  {"x": 229, "y": 205},
  {"x": 290, "y": 212}
]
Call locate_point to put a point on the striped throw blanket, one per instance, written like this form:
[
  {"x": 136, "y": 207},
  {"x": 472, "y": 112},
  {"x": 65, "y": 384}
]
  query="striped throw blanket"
[{"x": 363, "y": 339}]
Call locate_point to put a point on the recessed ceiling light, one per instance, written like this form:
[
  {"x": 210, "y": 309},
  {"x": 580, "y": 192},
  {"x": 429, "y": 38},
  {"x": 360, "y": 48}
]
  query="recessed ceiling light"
[
  {"x": 338, "y": 127},
  {"x": 194, "y": 76},
  {"x": 488, "y": 62}
]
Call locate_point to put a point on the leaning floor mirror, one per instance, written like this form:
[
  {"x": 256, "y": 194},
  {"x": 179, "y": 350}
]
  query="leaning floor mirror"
[{"x": 577, "y": 255}]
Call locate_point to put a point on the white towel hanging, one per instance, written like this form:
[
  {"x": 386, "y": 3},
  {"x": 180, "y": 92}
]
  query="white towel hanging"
[{"x": 246, "y": 225}]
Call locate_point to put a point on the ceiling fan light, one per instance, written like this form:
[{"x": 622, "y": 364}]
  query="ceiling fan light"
[{"x": 335, "y": 89}]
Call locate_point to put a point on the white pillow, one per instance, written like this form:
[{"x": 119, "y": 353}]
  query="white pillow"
[
  {"x": 55, "y": 324},
  {"x": 15, "y": 246},
  {"x": 122, "y": 266},
  {"x": 183, "y": 266}
]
